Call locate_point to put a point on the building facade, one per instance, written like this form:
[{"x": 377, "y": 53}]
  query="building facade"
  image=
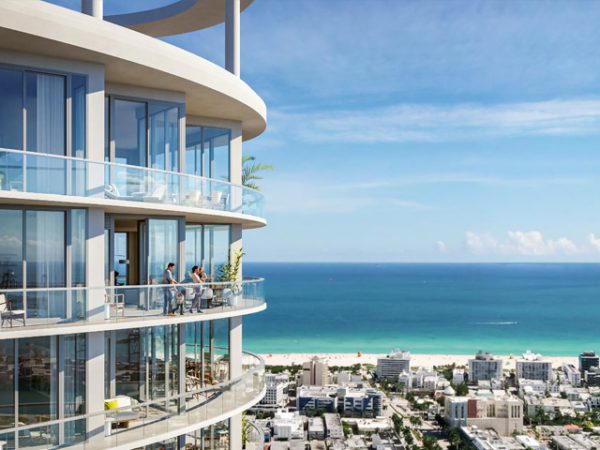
[
  {"x": 393, "y": 365},
  {"x": 120, "y": 154},
  {"x": 315, "y": 373},
  {"x": 588, "y": 360},
  {"x": 532, "y": 366},
  {"x": 484, "y": 367}
]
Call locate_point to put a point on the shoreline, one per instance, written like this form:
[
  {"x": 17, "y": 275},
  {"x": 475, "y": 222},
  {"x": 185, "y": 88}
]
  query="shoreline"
[{"x": 417, "y": 360}]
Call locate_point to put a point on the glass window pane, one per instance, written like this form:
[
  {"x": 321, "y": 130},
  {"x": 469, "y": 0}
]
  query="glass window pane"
[
  {"x": 11, "y": 109},
  {"x": 78, "y": 226},
  {"x": 74, "y": 385},
  {"x": 11, "y": 249},
  {"x": 193, "y": 150},
  {"x": 193, "y": 248},
  {"x": 163, "y": 245},
  {"x": 78, "y": 93},
  {"x": 45, "y": 106},
  {"x": 216, "y": 248},
  {"x": 7, "y": 383},
  {"x": 45, "y": 248},
  {"x": 216, "y": 146},
  {"x": 38, "y": 379},
  {"x": 129, "y": 132},
  {"x": 130, "y": 370},
  {"x": 164, "y": 137}
]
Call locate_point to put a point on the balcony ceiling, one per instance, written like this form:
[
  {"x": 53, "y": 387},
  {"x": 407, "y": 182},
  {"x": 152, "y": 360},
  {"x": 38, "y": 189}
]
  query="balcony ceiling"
[
  {"x": 181, "y": 16},
  {"x": 131, "y": 58}
]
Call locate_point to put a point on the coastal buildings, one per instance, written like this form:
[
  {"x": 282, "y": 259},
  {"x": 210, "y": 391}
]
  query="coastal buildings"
[
  {"x": 587, "y": 360},
  {"x": 572, "y": 375},
  {"x": 393, "y": 365},
  {"x": 288, "y": 425},
  {"x": 362, "y": 402},
  {"x": 276, "y": 391},
  {"x": 333, "y": 426},
  {"x": 532, "y": 366},
  {"x": 484, "y": 367},
  {"x": 497, "y": 410},
  {"x": 121, "y": 153},
  {"x": 313, "y": 398},
  {"x": 315, "y": 373}
]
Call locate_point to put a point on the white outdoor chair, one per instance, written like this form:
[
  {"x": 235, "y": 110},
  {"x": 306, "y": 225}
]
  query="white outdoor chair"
[{"x": 8, "y": 314}]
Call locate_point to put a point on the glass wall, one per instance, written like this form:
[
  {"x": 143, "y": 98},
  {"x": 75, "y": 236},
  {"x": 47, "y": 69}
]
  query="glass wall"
[
  {"x": 33, "y": 255},
  {"x": 33, "y": 378},
  {"x": 45, "y": 113},
  {"x": 163, "y": 245},
  {"x": 144, "y": 133},
  {"x": 129, "y": 132},
  {"x": 38, "y": 380},
  {"x": 207, "y": 353},
  {"x": 207, "y": 152},
  {"x": 208, "y": 246},
  {"x": 11, "y": 108},
  {"x": 146, "y": 363},
  {"x": 11, "y": 249},
  {"x": 213, "y": 437},
  {"x": 43, "y": 96}
]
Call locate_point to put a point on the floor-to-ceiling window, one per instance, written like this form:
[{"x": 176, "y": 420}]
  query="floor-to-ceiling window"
[
  {"x": 207, "y": 151},
  {"x": 163, "y": 247},
  {"x": 207, "y": 353},
  {"x": 33, "y": 256},
  {"x": 129, "y": 132},
  {"x": 207, "y": 246},
  {"x": 43, "y": 97}
]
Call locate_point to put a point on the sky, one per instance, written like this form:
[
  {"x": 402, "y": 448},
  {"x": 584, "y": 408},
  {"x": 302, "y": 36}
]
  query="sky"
[{"x": 421, "y": 131}]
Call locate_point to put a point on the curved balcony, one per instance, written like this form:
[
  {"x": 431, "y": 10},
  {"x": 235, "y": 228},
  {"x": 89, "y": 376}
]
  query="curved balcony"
[
  {"x": 121, "y": 188},
  {"x": 150, "y": 421},
  {"x": 54, "y": 311}
]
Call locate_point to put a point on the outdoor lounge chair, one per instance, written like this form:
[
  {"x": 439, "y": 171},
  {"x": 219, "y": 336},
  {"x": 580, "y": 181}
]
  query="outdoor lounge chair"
[
  {"x": 8, "y": 314},
  {"x": 124, "y": 409}
]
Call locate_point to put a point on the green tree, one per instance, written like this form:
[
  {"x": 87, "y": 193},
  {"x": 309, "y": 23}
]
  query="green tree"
[
  {"x": 250, "y": 171},
  {"x": 461, "y": 389}
]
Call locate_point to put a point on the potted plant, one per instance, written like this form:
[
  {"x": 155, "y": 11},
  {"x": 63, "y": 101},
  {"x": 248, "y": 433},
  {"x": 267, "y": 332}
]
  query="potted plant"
[{"x": 229, "y": 273}]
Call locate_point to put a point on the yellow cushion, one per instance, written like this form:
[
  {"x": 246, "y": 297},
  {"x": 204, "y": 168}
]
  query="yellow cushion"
[{"x": 111, "y": 403}]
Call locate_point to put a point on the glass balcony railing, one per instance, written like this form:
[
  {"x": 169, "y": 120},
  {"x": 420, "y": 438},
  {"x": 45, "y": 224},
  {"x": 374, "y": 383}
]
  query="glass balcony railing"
[
  {"x": 155, "y": 419},
  {"x": 41, "y": 307},
  {"x": 52, "y": 174}
]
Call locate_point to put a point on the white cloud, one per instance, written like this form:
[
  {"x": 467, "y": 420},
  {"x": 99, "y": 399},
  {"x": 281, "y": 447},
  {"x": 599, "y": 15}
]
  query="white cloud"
[
  {"x": 441, "y": 246},
  {"x": 433, "y": 123},
  {"x": 594, "y": 242},
  {"x": 519, "y": 243}
]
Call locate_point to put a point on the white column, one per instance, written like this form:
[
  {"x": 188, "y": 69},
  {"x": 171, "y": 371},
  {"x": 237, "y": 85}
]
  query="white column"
[
  {"x": 94, "y": 384},
  {"x": 93, "y": 8},
  {"x": 232, "y": 36},
  {"x": 235, "y": 368},
  {"x": 95, "y": 264}
]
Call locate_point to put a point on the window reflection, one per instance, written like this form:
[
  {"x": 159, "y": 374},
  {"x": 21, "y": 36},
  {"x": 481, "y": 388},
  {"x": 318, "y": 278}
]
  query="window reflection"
[
  {"x": 11, "y": 109},
  {"x": 11, "y": 249},
  {"x": 129, "y": 125},
  {"x": 207, "y": 152}
]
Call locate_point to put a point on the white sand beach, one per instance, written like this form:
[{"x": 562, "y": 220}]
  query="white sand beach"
[{"x": 417, "y": 360}]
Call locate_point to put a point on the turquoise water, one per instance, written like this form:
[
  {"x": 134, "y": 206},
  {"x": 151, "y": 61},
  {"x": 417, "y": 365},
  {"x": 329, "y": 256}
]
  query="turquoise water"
[{"x": 426, "y": 308}]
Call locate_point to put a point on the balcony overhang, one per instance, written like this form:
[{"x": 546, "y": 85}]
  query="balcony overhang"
[{"x": 131, "y": 58}]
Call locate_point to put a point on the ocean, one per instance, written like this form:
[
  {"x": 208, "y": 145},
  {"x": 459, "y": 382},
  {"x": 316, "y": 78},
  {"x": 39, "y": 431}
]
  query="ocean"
[{"x": 426, "y": 308}]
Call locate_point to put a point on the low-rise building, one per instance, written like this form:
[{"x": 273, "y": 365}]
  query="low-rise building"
[
  {"x": 484, "y": 367},
  {"x": 316, "y": 428},
  {"x": 500, "y": 411},
  {"x": 458, "y": 376},
  {"x": 363, "y": 402},
  {"x": 288, "y": 425},
  {"x": 333, "y": 426},
  {"x": 393, "y": 365},
  {"x": 313, "y": 398}
]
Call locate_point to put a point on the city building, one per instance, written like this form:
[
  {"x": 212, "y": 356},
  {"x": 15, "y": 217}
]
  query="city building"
[
  {"x": 587, "y": 360},
  {"x": 315, "y": 373},
  {"x": 121, "y": 153},
  {"x": 532, "y": 366},
  {"x": 288, "y": 425},
  {"x": 362, "y": 402},
  {"x": 458, "y": 376},
  {"x": 592, "y": 376},
  {"x": 316, "y": 428},
  {"x": 572, "y": 375},
  {"x": 276, "y": 391},
  {"x": 499, "y": 411},
  {"x": 484, "y": 367},
  {"x": 333, "y": 426},
  {"x": 393, "y": 365},
  {"x": 313, "y": 398}
]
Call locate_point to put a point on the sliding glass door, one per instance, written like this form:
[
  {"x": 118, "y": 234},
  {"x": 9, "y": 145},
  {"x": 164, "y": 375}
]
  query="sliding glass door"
[{"x": 207, "y": 152}]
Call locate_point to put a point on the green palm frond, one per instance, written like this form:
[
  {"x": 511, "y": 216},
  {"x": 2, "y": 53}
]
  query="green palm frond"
[{"x": 250, "y": 171}]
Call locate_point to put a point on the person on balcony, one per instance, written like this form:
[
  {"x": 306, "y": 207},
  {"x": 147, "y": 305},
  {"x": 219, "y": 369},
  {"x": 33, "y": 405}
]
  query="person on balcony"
[
  {"x": 198, "y": 277},
  {"x": 170, "y": 291}
]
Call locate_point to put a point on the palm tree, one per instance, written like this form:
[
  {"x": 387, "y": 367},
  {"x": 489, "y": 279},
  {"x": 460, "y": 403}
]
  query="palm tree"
[{"x": 250, "y": 170}]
